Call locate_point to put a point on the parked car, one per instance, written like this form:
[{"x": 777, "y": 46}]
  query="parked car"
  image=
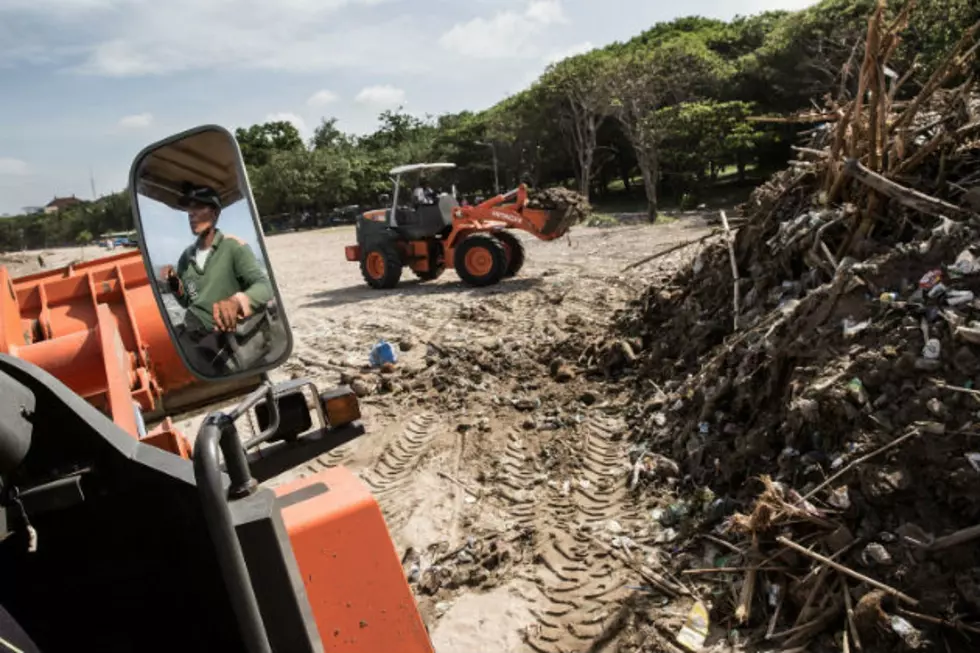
[{"x": 345, "y": 214}]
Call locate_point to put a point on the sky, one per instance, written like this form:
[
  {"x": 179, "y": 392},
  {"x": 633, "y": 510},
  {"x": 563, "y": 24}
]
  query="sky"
[
  {"x": 86, "y": 84},
  {"x": 168, "y": 231}
]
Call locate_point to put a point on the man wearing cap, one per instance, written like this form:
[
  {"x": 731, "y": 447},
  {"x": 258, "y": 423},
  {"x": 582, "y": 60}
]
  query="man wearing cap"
[{"x": 217, "y": 279}]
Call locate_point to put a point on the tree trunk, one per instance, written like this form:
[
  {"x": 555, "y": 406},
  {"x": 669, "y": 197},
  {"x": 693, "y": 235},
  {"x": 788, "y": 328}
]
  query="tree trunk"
[
  {"x": 583, "y": 126},
  {"x": 603, "y": 186},
  {"x": 650, "y": 169},
  {"x": 624, "y": 174},
  {"x": 586, "y": 153}
]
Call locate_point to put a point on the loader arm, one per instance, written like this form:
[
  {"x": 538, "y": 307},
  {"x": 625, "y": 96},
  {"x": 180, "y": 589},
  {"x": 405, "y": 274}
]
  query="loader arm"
[{"x": 510, "y": 211}]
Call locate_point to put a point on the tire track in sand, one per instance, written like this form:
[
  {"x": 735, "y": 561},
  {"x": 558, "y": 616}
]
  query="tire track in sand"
[
  {"x": 335, "y": 458},
  {"x": 390, "y": 479},
  {"x": 582, "y": 586}
]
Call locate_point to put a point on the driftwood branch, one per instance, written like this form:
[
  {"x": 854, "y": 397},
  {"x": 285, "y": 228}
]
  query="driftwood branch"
[
  {"x": 820, "y": 154},
  {"x": 907, "y": 196},
  {"x": 744, "y": 611},
  {"x": 461, "y": 484},
  {"x": 669, "y": 250},
  {"x": 851, "y": 624},
  {"x": 846, "y": 570},
  {"x": 667, "y": 587},
  {"x": 955, "y": 539},
  {"x": 730, "y": 241},
  {"x": 861, "y": 461},
  {"x": 955, "y": 625},
  {"x": 795, "y": 120}
]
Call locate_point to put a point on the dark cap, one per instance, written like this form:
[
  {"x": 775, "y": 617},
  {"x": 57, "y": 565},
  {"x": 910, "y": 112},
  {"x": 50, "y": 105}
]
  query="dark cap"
[{"x": 202, "y": 196}]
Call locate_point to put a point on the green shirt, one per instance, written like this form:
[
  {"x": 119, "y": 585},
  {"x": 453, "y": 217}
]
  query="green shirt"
[{"x": 230, "y": 268}]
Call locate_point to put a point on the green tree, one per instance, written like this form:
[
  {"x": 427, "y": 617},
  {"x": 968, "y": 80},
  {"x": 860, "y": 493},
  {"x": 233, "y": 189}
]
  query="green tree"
[
  {"x": 327, "y": 135},
  {"x": 643, "y": 82},
  {"x": 259, "y": 142},
  {"x": 706, "y": 134}
]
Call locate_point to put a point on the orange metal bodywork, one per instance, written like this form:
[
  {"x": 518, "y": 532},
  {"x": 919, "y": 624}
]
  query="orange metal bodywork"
[
  {"x": 501, "y": 212},
  {"x": 354, "y": 580},
  {"x": 97, "y": 328},
  {"x": 353, "y": 253},
  {"x": 504, "y": 212},
  {"x": 416, "y": 253}
]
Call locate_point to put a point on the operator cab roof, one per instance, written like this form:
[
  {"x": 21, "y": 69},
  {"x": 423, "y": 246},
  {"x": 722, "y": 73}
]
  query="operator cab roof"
[
  {"x": 400, "y": 170},
  {"x": 203, "y": 159}
]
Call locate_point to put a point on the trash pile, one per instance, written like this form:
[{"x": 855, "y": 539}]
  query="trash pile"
[
  {"x": 560, "y": 199},
  {"x": 449, "y": 374},
  {"x": 481, "y": 561},
  {"x": 459, "y": 373},
  {"x": 818, "y": 371}
]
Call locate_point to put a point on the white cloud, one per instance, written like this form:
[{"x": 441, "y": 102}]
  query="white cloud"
[
  {"x": 136, "y": 121},
  {"x": 381, "y": 97},
  {"x": 572, "y": 51},
  {"x": 285, "y": 116},
  {"x": 322, "y": 98},
  {"x": 13, "y": 167},
  {"x": 141, "y": 38},
  {"x": 507, "y": 35},
  {"x": 77, "y": 6},
  {"x": 546, "y": 12}
]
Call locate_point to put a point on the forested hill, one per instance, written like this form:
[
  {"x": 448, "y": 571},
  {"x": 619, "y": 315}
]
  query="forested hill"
[{"x": 661, "y": 115}]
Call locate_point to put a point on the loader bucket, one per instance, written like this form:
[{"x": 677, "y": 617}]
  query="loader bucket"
[{"x": 551, "y": 224}]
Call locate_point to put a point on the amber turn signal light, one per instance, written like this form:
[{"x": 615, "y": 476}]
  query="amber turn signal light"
[{"x": 340, "y": 406}]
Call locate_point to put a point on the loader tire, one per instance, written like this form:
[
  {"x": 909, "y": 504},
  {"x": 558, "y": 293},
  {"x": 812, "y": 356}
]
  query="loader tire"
[
  {"x": 515, "y": 252},
  {"x": 381, "y": 266},
  {"x": 481, "y": 260}
]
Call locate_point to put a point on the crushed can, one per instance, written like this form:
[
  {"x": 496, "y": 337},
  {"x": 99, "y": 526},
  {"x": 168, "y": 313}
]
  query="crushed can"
[{"x": 931, "y": 279}]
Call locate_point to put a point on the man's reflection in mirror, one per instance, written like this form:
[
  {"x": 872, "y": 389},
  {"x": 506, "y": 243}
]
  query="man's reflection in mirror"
[{"x": 221, "y": 284}]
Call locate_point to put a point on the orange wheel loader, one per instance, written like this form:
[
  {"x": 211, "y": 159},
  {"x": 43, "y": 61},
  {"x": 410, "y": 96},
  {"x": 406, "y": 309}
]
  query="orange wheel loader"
[
  {"x": 430, "y": 236},
  {"x": 119, "y": 537}
]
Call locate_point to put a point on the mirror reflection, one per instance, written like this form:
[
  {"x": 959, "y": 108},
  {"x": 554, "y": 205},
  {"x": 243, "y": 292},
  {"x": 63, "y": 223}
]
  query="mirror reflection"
[{"x": 203, "y": 246}]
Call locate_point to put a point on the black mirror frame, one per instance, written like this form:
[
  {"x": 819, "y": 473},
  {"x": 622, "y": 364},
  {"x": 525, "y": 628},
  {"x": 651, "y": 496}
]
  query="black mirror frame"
[{"x": 246, "y": 189}]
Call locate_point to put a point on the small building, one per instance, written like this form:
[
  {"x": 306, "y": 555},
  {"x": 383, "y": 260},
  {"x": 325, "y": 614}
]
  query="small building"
[{"x": 62, "y": 203}]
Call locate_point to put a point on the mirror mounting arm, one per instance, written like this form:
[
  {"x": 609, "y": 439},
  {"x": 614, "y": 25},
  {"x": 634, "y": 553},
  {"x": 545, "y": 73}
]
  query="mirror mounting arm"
[
  {"x": 242, "y": 483},
  {"x": 266, "y": 391}
]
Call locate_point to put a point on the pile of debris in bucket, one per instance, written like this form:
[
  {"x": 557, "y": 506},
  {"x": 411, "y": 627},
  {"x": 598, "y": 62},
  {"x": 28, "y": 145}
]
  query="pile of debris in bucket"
[
  {"x": 558, "y": 198},
  {"x": 814, "y": 379}
]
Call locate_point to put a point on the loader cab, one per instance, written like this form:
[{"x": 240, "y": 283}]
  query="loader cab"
[{"x": 416, "y": 220}]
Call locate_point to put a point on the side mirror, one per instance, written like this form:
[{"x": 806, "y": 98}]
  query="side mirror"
[{"x": 202, "y": 243}]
